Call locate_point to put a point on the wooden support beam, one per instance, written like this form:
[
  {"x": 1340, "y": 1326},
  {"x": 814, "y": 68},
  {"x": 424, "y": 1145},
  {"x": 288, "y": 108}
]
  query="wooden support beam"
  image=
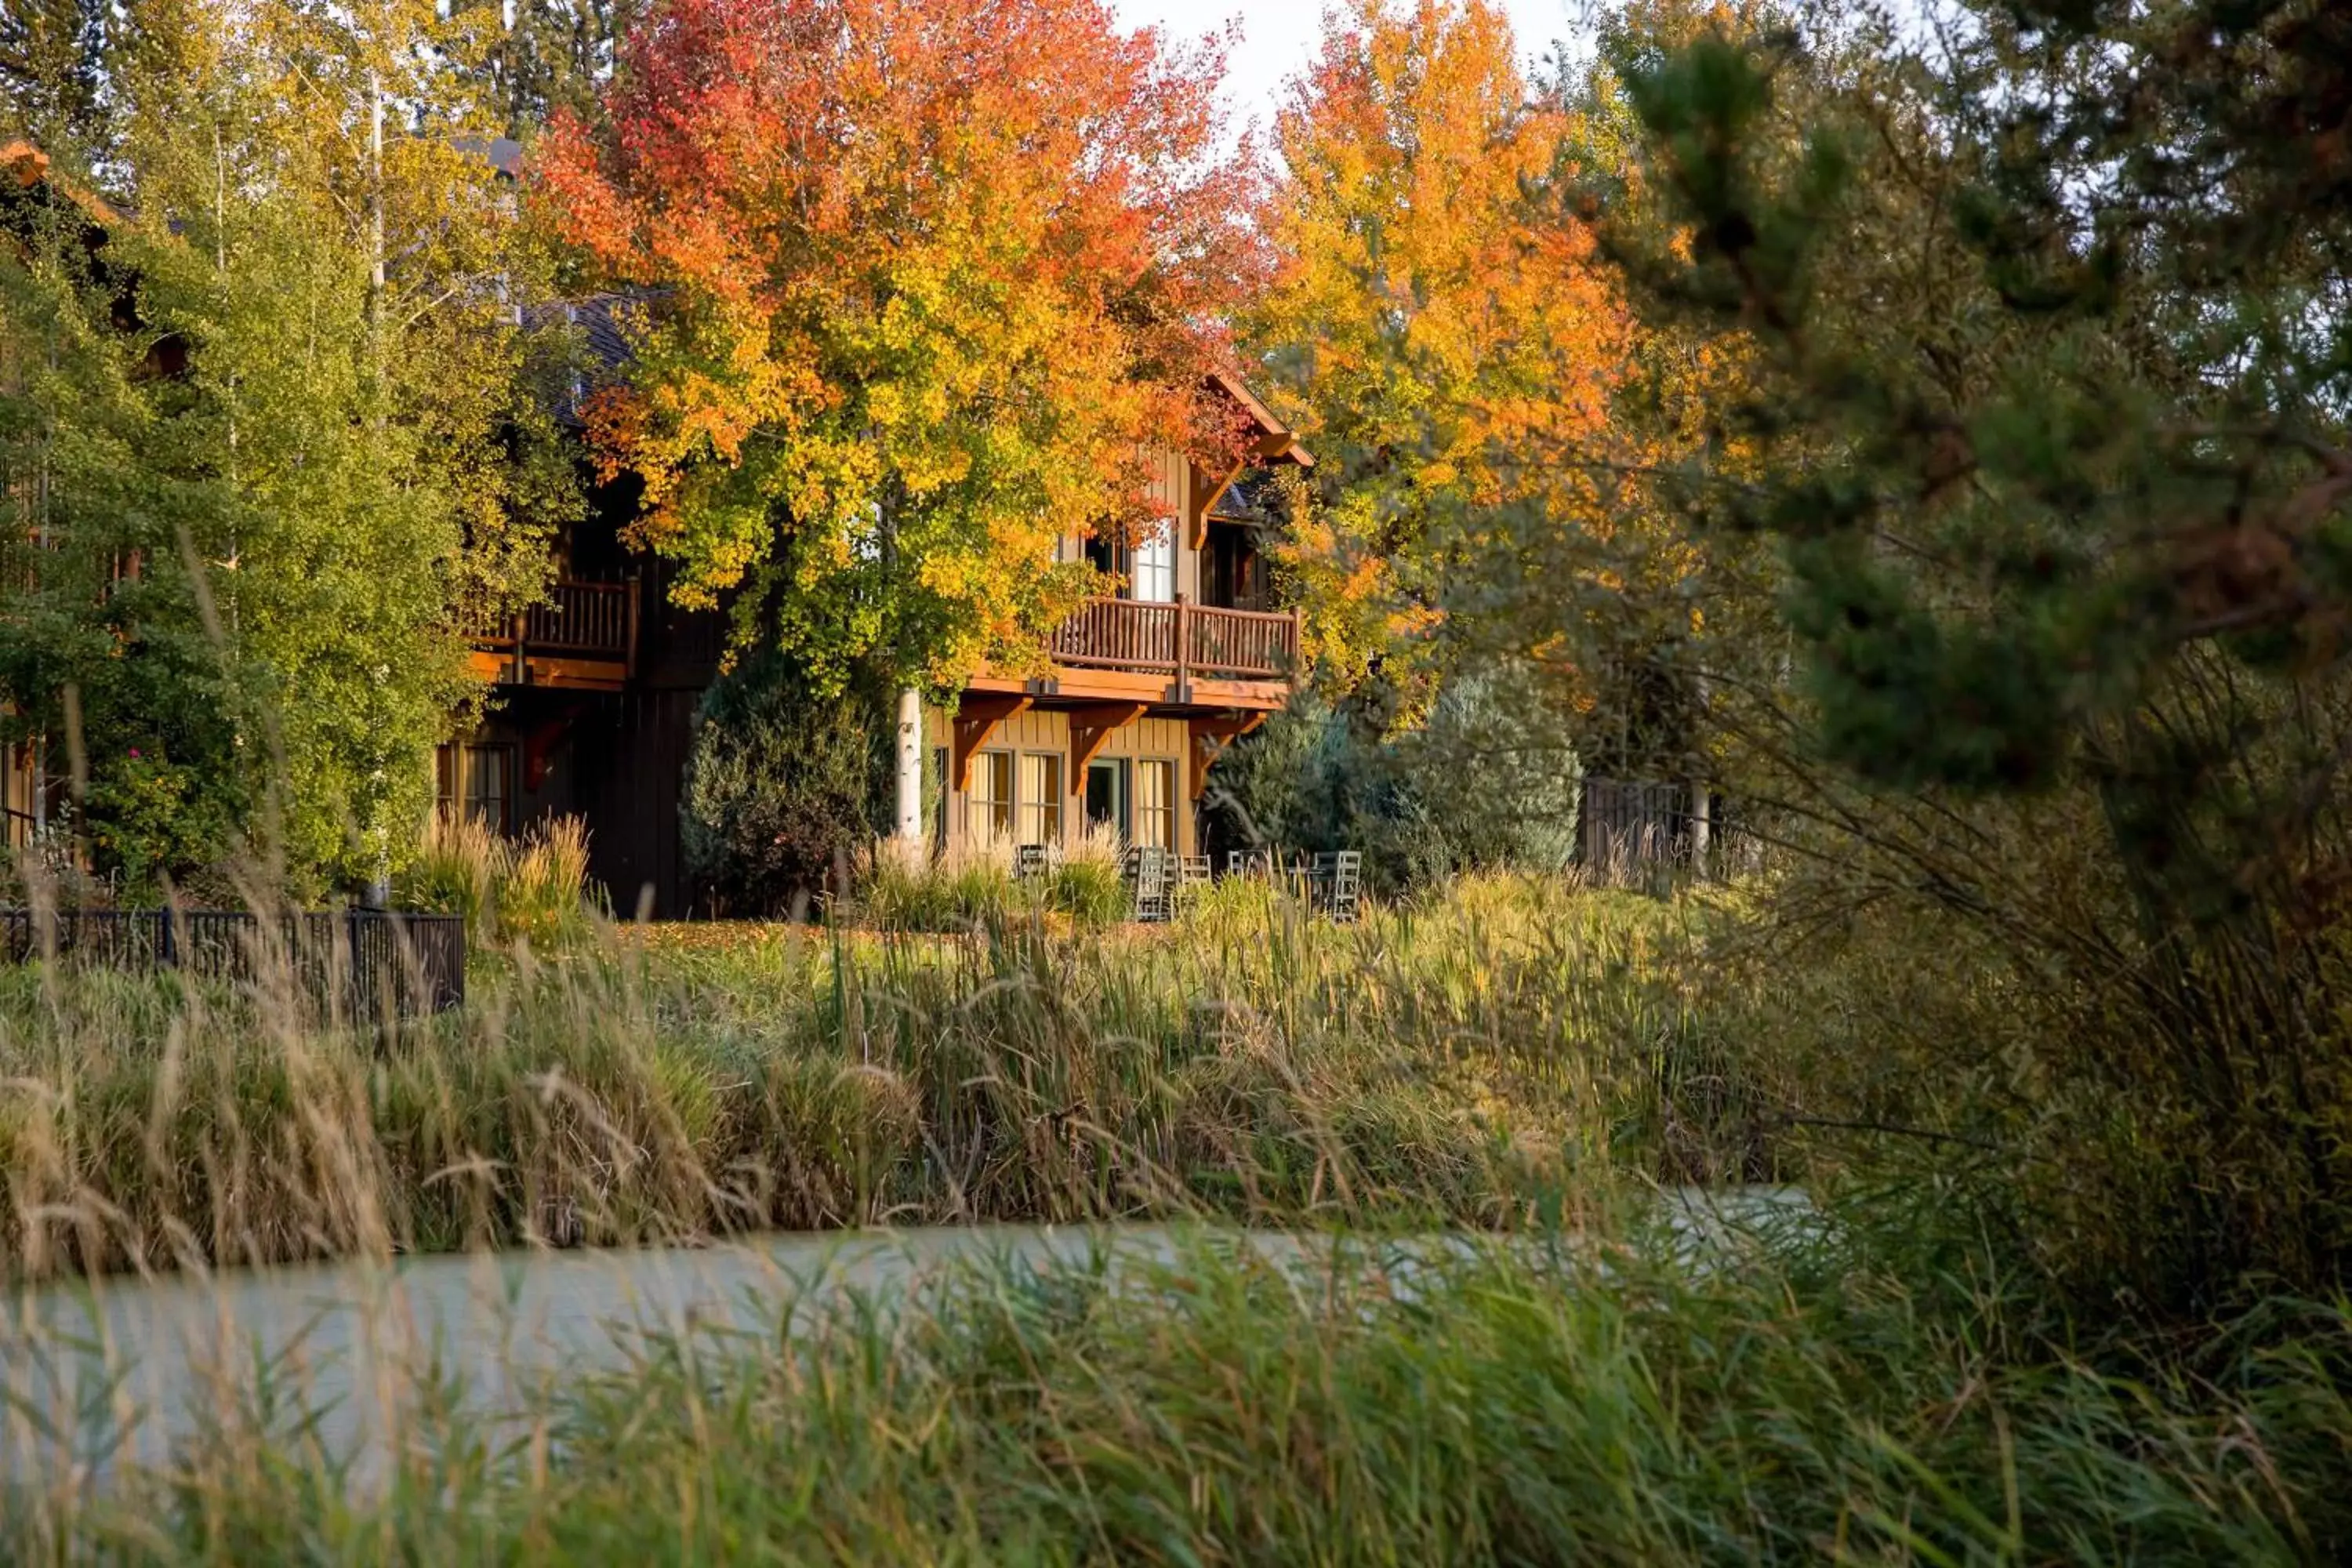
[
  {"x": 976, "y": 719},
  {"x": 1211, "y": 734},
  {"x": 1208, "y": 503},
  {"x": 575, "y": 674},
  {"x": 1091, "y": 728}
]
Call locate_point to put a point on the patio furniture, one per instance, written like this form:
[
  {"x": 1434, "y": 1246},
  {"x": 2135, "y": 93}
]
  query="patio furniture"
[
  {"x": 1193, "y": 875},
  {"x": 1151, "y": 873},
  {"x": 1339, "y": 885},
  {"x": 1252, "y": 862},
  {"x": 1032, "y": 862}
]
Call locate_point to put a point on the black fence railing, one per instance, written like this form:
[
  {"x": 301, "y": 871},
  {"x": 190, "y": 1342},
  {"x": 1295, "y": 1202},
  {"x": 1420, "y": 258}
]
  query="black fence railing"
[{"x": 355, "y": 964}]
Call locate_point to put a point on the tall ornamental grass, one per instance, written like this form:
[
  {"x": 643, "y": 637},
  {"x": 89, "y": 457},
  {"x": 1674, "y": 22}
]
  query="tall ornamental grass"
[
  {"x": 673, "y": 1083},
  {"x": 534, "y": 890}
]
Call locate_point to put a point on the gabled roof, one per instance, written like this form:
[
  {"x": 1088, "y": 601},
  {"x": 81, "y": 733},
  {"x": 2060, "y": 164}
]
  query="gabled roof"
[
  {"x": 24, "y": 167},
  {"x": 1277, "y": 442}
]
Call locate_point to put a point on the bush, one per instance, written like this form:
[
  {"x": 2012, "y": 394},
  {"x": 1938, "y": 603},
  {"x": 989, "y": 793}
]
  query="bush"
[
  {"x": 778, "y": 790},
  {"x": 458, "y": 871},
  {"x": 909, "y": 889},
  {"x": 1486, "y": 781},
  {"x": 545, "y": 898}
]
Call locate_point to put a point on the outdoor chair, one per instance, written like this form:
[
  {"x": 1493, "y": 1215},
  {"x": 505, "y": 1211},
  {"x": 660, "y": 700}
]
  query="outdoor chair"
[
  {"x": 1192, "y": 874},
  {"x": 1152, "y": 876},
  {"x": 1032, "y": 862},
  {"x": 1254, "y": 863},
  {"x": 1339, "y": 885}
]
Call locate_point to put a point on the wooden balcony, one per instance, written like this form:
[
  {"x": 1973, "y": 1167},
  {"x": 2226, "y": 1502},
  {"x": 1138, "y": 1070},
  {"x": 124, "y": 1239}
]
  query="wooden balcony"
[
  {"x": 584, "y": 636},
  {"x": 1172, "y": 655},
  {"x": 1179, "y": 639}
]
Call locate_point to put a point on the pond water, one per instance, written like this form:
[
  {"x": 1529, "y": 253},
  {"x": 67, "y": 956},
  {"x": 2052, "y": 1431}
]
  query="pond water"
[{"x": 95, "y": 1374}]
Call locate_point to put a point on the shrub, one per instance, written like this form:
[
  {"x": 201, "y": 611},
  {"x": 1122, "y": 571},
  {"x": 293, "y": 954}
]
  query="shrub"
[
  {"x": 909, "y": 890},
  {"x": 778, "y": 790},
  {"x": 545, "y": 897},
  {"x": 1488, "y": 781},
  {"x": 1485, "y": 781},
  {"x": 458, "y": 871}
]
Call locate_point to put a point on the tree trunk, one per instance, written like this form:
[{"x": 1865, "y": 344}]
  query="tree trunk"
[
  {"x": 910, "y": 766},
  {"x": 1702, "y": 825}
]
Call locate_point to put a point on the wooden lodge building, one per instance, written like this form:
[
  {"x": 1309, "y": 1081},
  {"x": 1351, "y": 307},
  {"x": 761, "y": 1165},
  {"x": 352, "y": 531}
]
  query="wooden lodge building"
[
  {"x": 594, "y": 691},
  {"x": 1148, "y": 685}
]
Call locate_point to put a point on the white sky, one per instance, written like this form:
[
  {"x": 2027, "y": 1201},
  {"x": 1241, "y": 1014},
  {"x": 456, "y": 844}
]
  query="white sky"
[{"x": 1280, "y": 36}]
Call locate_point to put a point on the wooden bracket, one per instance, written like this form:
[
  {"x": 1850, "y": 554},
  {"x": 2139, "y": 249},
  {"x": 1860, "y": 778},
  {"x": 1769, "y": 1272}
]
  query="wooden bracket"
[
  {"x": 1208, "y": 503},
  {"x": 1211, "y": 736},
  {"x": 976, "y": 719},
  {"x": 1091, "y": 728}
]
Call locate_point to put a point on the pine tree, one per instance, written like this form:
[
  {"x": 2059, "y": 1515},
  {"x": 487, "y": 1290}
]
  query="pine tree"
[
  {"x": 540, "y": 57},
  {"x": 2050, "y": 429},
  {"x": 53, "y": 57}
]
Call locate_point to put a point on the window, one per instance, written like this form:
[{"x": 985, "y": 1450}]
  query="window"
[
  {"x": 1041, "y": 797},
  {"x": 941, "y": 782},
  {"x": 1233, "y": 570},
  {"x": 477, "y": 781},
  {"x": 1107, "y": 796},
  {"x": 990, "y": 820},
  {"x": 1155, "y": 805},
  {"x": 1152, "y": 575},
  {"x": 17, "y": 788}
]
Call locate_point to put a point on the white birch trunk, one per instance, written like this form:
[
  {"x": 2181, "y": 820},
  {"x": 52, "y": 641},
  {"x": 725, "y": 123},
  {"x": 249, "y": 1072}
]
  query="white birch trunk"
[{"x": 911, "y": 767}]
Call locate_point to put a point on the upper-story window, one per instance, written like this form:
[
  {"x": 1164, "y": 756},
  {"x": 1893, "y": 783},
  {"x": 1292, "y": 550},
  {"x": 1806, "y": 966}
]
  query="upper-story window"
[
  {"x": 1151, "y": 575},
  {"x": 1146, "y": 569}
]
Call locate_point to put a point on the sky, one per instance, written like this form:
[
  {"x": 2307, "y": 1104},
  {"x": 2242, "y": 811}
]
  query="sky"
[{"x": 1279, "y": 37}]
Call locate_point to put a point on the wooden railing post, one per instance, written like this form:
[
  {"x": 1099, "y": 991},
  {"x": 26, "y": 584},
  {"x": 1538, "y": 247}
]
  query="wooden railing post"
[
  {"x": 636, "y": 596},
  {"x": 1183, "y": 650}
]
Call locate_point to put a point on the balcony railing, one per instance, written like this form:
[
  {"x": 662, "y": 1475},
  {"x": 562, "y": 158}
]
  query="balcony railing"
[
  {"x": 1180, "y": 639},
  {"x": 579, "y": 620}
]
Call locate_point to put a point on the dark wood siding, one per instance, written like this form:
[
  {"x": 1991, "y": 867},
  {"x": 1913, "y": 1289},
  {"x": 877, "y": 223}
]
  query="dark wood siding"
[{"x": 631, "y": 769}]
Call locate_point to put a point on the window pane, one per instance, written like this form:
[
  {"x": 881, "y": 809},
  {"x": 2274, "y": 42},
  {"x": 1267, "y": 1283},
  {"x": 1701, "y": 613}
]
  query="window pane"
[
  {"x": 1155, "y": 816},
  {"x": 15, "y": 796},
  {"x": 1107, "y": 797},
  {"x": 486, "y": 779},
  {"x": 1155, "y": 564},
  {"x": 1041, "y": 798},
  {"x": 940, "y": 764},
  {"x": 992, "y": 798}
]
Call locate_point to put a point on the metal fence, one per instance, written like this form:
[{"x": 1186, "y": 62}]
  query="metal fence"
[{"x": 356, "y": 964}]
